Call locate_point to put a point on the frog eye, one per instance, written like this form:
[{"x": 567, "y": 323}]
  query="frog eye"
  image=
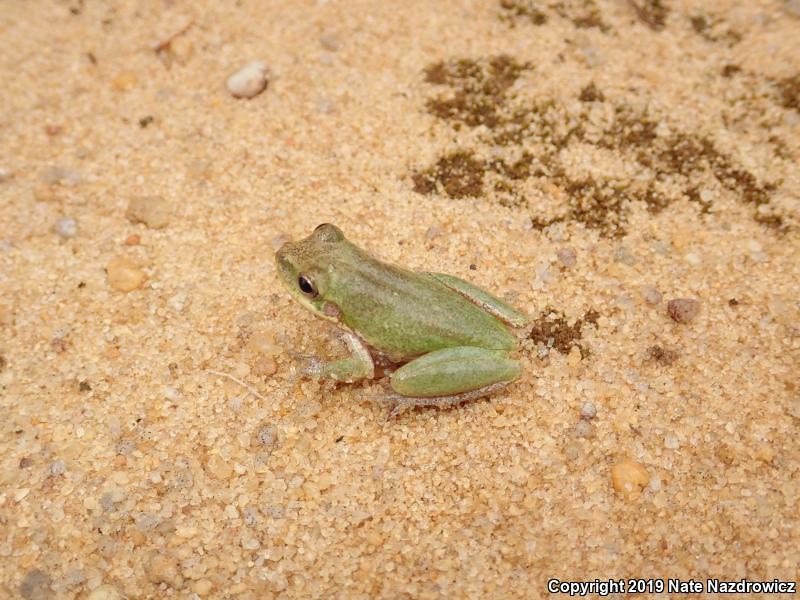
[
  {"x": 307, "y": 286},
  {"x": 321, "y": 225}
]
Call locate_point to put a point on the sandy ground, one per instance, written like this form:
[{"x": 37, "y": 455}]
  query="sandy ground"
[{"x": 586, "y": 161}]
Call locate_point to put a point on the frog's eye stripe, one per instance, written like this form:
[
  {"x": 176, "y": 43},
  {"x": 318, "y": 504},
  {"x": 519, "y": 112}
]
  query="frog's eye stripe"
[{"x": 307, "y": 286}]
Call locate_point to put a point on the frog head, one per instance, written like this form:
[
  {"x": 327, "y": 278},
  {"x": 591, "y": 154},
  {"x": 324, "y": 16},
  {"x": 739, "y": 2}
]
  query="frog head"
[{"x": 305, "y": 268}]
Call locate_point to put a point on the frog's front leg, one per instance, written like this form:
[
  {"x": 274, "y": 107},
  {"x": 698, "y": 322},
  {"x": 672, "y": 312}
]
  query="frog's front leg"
[
  {"x": 358, "y": 365},
  {"x": 451, "y": 376}
]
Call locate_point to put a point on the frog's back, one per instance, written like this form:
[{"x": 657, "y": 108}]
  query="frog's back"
[{"x": 406, "y": 314}]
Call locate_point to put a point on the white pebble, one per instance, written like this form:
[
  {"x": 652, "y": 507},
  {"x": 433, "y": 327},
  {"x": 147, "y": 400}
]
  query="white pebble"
[
  {"x": 66, "y": 227},
  {"x": 651, "y": 295},
  {"x": 754, "y": 246},
  {"x": 671, "y": 442},
  {"x": 693, "y": 259},
  {"x": 249, "y": 81},
  {"x": 172, "y": 394},
  {"x": 567, "y": 257},
  {"x": 57, "y": 467},
  {"x": 178, "y": 301},
  {"x": 588, "y": 410}
]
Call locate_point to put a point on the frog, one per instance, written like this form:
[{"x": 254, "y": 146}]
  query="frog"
[{"x": 443, "y": 340}]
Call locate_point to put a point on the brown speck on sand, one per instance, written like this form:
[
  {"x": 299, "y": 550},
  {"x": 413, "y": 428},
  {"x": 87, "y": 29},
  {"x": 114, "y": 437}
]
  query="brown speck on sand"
[
  {"x": 683, "y": 310},
  {"x": 652, "y": 12},
  {"x": 789, "y": 92},
  {"x": 590, "y": 93},
  {"x": 662, "y": 355}
]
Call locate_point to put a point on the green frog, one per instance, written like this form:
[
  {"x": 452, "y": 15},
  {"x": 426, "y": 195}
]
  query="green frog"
[{"x": 448, "y": 339}]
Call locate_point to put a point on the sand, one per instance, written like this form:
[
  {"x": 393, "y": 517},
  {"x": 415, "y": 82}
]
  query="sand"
[{"x": 586, "y": 161}]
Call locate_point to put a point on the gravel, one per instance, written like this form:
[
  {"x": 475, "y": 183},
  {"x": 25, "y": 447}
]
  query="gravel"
[{"x": 249, "y": 81}]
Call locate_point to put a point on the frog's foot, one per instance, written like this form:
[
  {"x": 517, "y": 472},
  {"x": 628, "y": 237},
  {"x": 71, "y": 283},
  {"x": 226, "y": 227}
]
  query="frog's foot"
[
  {"x": 307, "y": 364},
  {"x": 398, "y": 404}
]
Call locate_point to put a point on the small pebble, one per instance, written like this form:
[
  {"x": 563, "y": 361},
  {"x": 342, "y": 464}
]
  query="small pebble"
[
  {"x": 629, "y": 478},
  {"x": 324, "y": 106},
  {"x": 133, "y": 240},
  {"x": 124, "y": 274},
  {"x": 218, "y": 467},
  {"x": 329, "y": 41},
  {"x": 683, "y": 310},
  {"x": 5, "y": 174},
  {"x": 671, "y": 442},
  {"x": 651, "y": 295},
  {"x": 57, "y": 467},
  {"x": 567, "y": 257},
  {"x": 624, "y": 256},
  {"x": 433, "y": 232},
  {"x": 153, "y": 211},
  {"x": 754, "y": 246},
  {"x": 178, "y": 302},
  {"x": 765, "y": 453},
  {"x": 36, "y": 586},
  {"x": 588, "y": 411},
  {"x": 693, "y": 259},
  {"x": 202, "y": 587},
  {"x": 54, "y": 175},
  {"x": 181, "y": 49},
  {"x": 66, "y": 227},
  {"x": 46, "y": 193},
  {"x": 793, "y": 409},
  {"x": 249, "y": 81},
  {"x": 164, "y": 569},
  {"x": 265, "y": 366},
  {"x": 583, "y": 429},
  {"x": 105, "y": 592},
  {"x": 574, "y": 357},
  {"x": 267, "y": 436},
  {"x": 124, "y": 81}
]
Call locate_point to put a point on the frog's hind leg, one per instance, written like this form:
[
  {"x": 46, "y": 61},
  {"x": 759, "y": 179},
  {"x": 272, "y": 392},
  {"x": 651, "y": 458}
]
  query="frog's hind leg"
[
  {"x": 398, "y": 404},
  {"x": 480, "y": 297},
  {"x": 450, "y": 376}
]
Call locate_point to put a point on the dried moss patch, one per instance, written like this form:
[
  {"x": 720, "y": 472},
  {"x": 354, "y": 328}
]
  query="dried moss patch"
[
  {"x": 552, "y": 330},
  {"x": 789, "y": 92},
  {"x": 459, "y": 175},
  {"x": 481, "y": 93}
]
